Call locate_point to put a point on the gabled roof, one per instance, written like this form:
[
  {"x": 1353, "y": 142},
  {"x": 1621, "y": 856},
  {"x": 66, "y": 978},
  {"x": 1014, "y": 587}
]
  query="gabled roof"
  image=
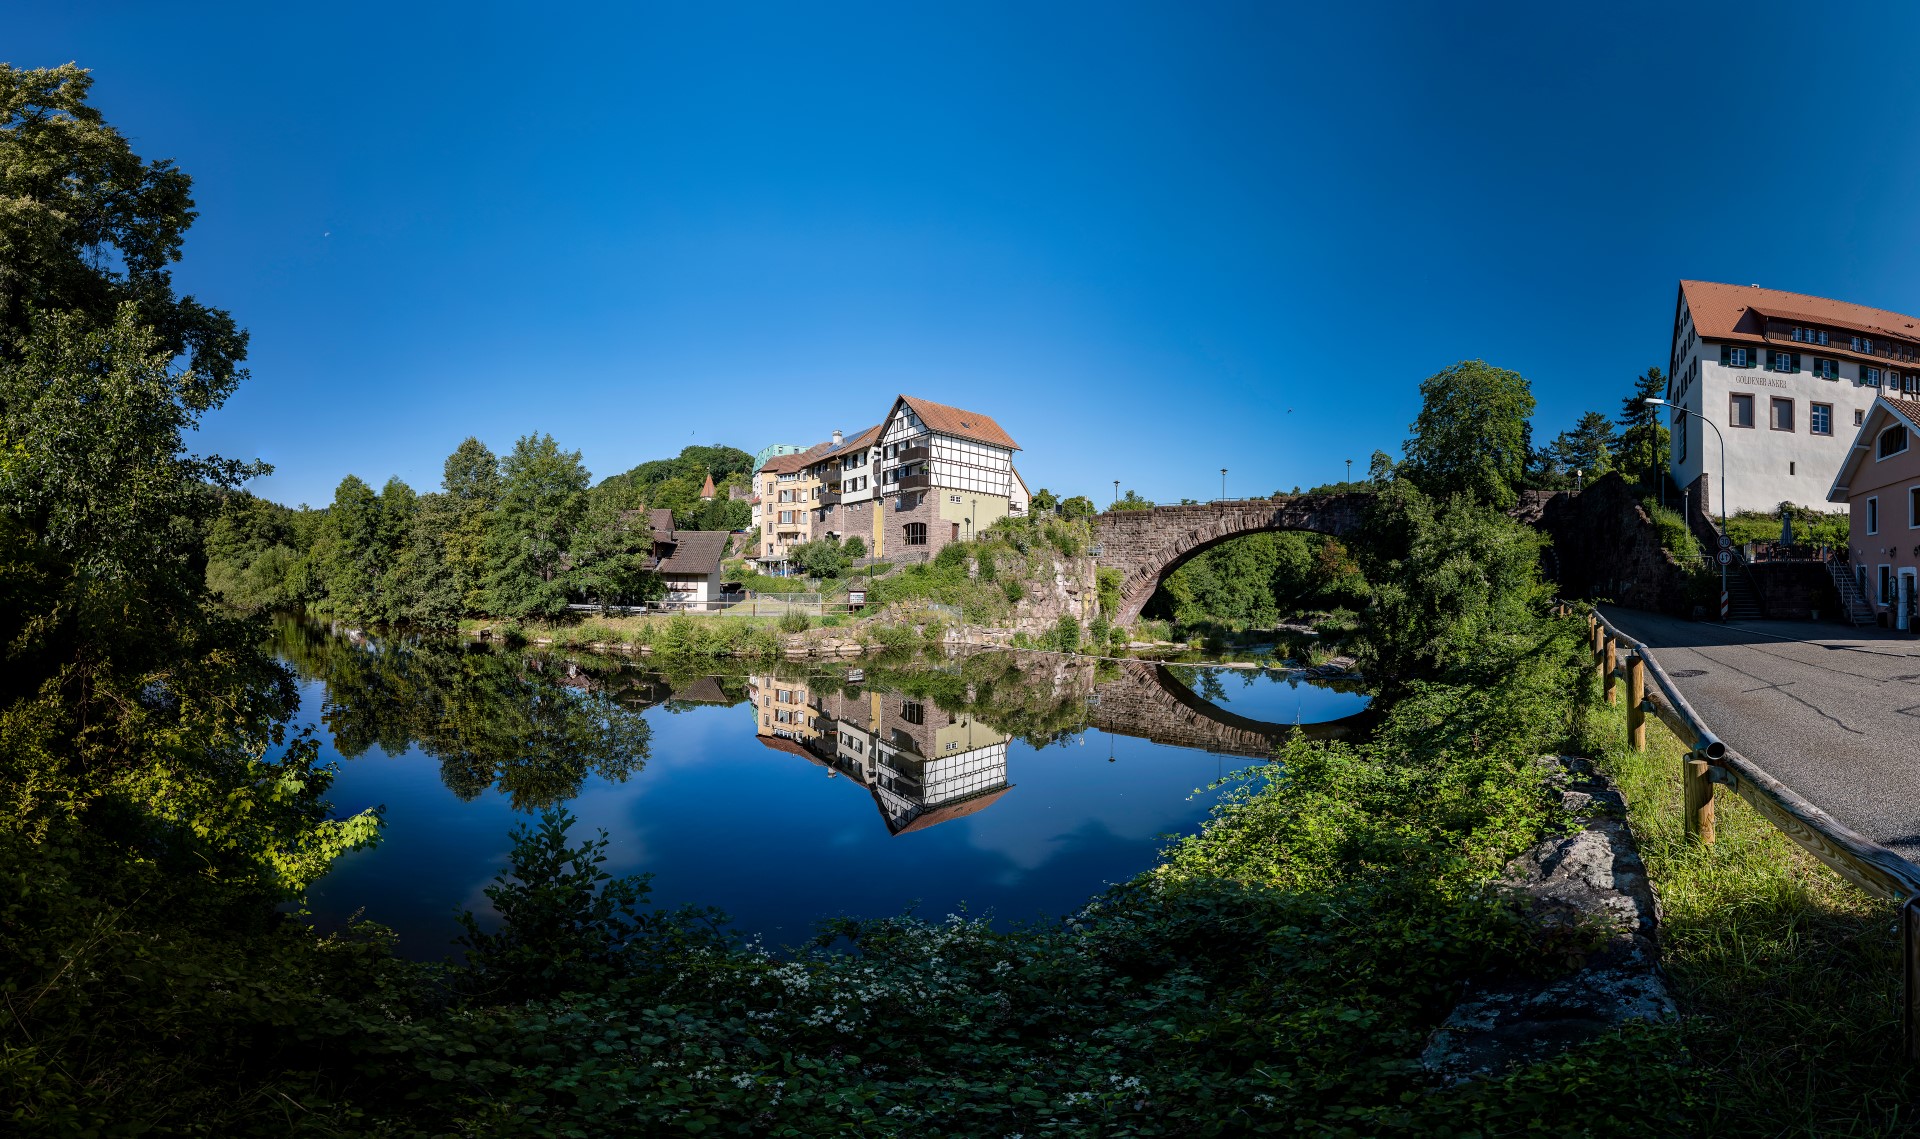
[
  {"x": 694, "y": 551},
  {"x": 1884, "y": 409},
  {"x": 957, "y": 809},
  {"x": 828, "y": 452},
  {"x": 660, "y": 519},
  {"x": 1737, "y": 312},
  {"x": 788, "y": 464},
  {"x": 957, "y": 421}
]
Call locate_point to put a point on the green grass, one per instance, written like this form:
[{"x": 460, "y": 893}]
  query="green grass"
[{"x": 1788, "y": 975}]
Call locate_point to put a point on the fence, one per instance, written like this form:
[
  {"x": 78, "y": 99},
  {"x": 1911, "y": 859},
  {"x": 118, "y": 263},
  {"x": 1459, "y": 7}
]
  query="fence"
[
  {"x": 1709, "y": 760},
  {"x": 749, "y": 604}
]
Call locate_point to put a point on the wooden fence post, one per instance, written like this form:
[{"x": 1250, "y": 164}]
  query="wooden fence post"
[
  {"x": 1636, "y": 702},
  {"x": 1910, "y": 977},
  {"x": 1607, "y": 662},
  {"x": 1600, "y": 655},
  {"x": 1697, "y": 789}
]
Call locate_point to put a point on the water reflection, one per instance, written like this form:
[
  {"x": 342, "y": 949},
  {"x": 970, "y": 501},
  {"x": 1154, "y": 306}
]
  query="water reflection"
[{"x": 758, "y": 790}]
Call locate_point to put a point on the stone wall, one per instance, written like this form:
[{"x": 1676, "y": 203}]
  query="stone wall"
[
  {"x": 1792, "y": 591},
  {"x": 1605, "y": 546}
]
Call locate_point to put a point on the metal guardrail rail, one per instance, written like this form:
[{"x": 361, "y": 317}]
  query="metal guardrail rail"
[{"x": 1710, "y": 761}]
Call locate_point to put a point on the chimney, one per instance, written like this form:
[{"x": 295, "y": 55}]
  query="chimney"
[{"x": 836, "y": 437}]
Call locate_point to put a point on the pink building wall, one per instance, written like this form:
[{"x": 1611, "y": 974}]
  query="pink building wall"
[{"x": 1896, "y": 545}]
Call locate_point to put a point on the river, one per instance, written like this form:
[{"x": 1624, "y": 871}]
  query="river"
[{"x": 1010, "y": 784}]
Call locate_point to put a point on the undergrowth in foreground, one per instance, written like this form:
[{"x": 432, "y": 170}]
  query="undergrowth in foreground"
[{"x": 1787, "y": 975}]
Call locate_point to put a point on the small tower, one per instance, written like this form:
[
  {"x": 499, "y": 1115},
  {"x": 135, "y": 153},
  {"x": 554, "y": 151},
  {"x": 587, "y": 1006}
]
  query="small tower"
[{"x": 706, "y": 489}]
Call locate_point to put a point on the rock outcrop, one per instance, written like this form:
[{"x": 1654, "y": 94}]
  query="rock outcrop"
[{"x": 1591, "y": 880}]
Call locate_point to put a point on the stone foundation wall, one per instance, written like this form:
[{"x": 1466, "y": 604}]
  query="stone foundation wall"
[
  {"x": 1606, "y": 546},
  {"x": 1792, "y": 591}
]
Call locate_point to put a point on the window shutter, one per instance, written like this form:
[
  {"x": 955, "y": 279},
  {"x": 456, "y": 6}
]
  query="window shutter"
[
  {"x": 1766, "y": 359},
  {"x": 1793, "y": 364},
  {"x": 1726, "y": 354}
]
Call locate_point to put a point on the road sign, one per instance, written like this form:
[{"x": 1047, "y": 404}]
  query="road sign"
[
  {"x": 1726, "y": 557},
  {"x": 1726, "y": 543}
]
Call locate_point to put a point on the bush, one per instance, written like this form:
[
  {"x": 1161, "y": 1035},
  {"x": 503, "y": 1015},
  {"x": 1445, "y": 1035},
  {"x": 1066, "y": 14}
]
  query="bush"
[
  {"x": 1015, "y": 591},
  {"x": 854, "y": 547},
  {"x": 793, "y": 621},
  {"x": 1065, "y": 635},
  {"x": 1675, "y": 537}
]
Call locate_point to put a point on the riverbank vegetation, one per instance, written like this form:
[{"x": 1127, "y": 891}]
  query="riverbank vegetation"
[{"x": 160, "y": 822}]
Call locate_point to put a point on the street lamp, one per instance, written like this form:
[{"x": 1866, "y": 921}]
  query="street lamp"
[
  {"x": 1655, "y": 401},
  {"x": 1223, "y": 484},
  {"x": 1116, "y": 492}
]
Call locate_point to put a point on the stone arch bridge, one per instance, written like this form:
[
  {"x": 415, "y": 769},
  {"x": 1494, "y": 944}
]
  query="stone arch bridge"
[
  {"x": 1147, "y": 545},
  {"x": 1146, "y": 700}
]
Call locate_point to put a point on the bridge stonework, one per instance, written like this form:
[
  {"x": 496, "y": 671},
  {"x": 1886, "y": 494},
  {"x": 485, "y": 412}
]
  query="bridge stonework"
[{"x": 1146, "y": 545}]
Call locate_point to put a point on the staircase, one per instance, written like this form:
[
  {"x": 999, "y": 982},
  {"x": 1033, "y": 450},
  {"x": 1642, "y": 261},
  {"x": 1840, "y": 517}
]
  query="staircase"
[
  {"x": 1743, "y": 604},
  {"x": 1859, "y": 611}
]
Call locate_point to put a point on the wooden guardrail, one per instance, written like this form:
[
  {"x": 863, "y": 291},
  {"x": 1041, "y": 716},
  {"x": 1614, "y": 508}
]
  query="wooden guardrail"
[{"x": 1710, "y": 761}]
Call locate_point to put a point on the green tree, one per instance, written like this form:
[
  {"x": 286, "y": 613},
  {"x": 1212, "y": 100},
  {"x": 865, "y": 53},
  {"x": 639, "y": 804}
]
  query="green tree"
[
  {"x": 1470, "y": 437},
  {"x": 253, "y": 553},
  {"x": 1454, "y": 585},
  {"x": 1643, "y": 451},
  {"x": 349, "y": 556},
  {"x": 1079, "y": 506},
  {"x": 88, "y": 226},
  {"x": 470, "y": 479},
  {"x": 610, "y": 556},
  {"x": 1587, "y": 447},
  {"x": 1132, "y": 501},
  {"x": 542, "y": 501},
  {"x": 1045, "y": 501}
]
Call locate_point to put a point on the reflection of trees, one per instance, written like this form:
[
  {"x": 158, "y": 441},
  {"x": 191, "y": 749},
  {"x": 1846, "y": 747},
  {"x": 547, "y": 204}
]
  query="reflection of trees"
[
  {"x": 1038, "y": 698},
  {"x": 534, "y": 726}
]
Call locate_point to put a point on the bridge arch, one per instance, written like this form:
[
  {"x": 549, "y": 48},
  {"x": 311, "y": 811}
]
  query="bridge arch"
[{"x": 1147, "y": 545}]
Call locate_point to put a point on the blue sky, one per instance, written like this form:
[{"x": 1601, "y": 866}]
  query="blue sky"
[{"x": 1152, "y": 240}]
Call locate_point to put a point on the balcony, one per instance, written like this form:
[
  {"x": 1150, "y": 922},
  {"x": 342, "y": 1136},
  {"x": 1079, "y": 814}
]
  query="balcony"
[
  {"x": 918, "y": 453},
  {"x": 921, "y": 481},
  {"x": 827, "y": 498}
]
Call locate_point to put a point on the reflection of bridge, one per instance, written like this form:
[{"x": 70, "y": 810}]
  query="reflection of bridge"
[
  {"x": 1148, "y": 702},
  {"x": 1147, "y": 545}
]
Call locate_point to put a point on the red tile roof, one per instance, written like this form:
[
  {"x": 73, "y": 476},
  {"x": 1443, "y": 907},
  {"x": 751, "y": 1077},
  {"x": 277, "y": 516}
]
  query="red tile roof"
[
  {"x": 1874, "y": 421},
  {"x": 957, "y": 421},
  {"x": 1734, "y": 312},
  {"x": 958, "y": 809}
]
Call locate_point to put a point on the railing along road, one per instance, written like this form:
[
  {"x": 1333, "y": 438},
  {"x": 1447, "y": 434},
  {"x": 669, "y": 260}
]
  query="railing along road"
[{"x": 1709, "y": 760}]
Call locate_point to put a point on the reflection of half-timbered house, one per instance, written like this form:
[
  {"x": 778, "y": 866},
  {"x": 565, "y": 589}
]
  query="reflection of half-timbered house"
[{"x": 922, "y": 766}]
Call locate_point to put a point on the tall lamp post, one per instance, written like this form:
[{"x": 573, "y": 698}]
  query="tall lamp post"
[
  {"x": 1654, "y": 401},
  {"x": 1223, "y": 484}
]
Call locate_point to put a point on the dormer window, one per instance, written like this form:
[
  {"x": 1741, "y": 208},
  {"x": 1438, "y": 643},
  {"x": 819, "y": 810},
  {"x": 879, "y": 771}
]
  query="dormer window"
[{"x": 1892, "y": 441}]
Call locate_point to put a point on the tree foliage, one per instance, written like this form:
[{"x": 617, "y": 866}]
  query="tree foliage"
[{"x": 1470, "y": 437}]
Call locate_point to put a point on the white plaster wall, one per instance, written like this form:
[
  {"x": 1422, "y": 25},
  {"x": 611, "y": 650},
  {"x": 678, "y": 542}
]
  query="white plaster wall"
[{"x": 1765, "y": 467}]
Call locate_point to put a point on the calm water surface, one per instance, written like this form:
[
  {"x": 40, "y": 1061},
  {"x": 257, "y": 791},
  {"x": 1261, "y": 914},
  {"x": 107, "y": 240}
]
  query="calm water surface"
[{"x": 1015, "y": 784}]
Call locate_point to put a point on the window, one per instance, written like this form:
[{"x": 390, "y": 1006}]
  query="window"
[
  {"x": 1682, "y": 440},
  {"x": 1810, "y": 335},
  {"x": 1892, "y": 441},
  {"x": 1886, "y": 585},
  {"x": 916, "y": 533},
  {"x": 953, "y": 498},
  {"x": 1826, "y": 369},
  {"x": 1869, "y": 377},
  {"x": 1784, "y": 362},
  {"x": 1734, "y": 357},
  {"x": 1913, "y": 508},
  {"x": 1859, "y": 416},
  {"x": 1740, "y": 413},
  {"x": 1820, "y": 418},
  {"x": 913, "y": 713},
  {"x": 1873, "y": 515},
  {"x": 1780, "y": 413}
]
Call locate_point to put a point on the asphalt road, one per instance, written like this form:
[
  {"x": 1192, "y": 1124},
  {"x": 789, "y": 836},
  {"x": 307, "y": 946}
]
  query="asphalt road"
[{"x": 1831, "y": 711}]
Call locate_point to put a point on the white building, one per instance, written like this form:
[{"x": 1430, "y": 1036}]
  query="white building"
[{"x": 1786, "y": 378}]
